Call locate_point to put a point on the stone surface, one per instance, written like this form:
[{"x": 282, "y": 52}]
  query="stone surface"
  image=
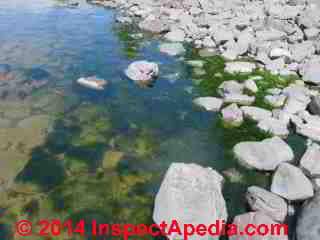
[
  {"x": 255, "y": 113},
  {"x": 172, "y": 49},
  {"x": 240, "y": 99},
  {"x": 175, "y": 36},
  {"x": 275, "y": 100},
  {"x": 230, "y": 87},
  {"x": 239, "y": 67},
  {"x": 251, "y": 86},
  {"x": 308, "y": 225},
  {"x": 314, "y": 105},
  {"x": 142, "y": 71},
  {"x": 311, "y": 71},
  {"x": 264, "y": 155},
  {"x": 232, "y": 115},
  {"x": 267, "y": 202},
  {"x": 310, "y": 161},
  {"x": 274, "y": 126},
  {"x": 191, "y": 187},
  {"x": 290, "y": 183},
  {"x": 209, "y": 103}
]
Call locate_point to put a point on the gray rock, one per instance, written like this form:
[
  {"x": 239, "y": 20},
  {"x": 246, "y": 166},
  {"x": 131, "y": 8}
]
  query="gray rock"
[
  {"x": 311, "y": 33},
  {"x": 191, "y": 187},
  {"x": 301, "y": 51},
  {"x": 311, "y": 71},
  {"x": 154, "y": 25},
  {"x": 255, "y": 113},
  {"x": 240, "y": 99},
  {"x": 264, "y": 155},
  {"x": 256, "y": 219},
  {"x": 232, "y": 115},
  {"x": 172, "y": 49},
  {"x": 310, "y": 161},
  {"x": 209, "y": 103},
  {"x": 177, "y": 35},
  {"x": 267, "y": 202},
  {"x": 308, "y": 224},
  {"x": 240, "y": 67},
  {"x": 274, "y": 126},
  {"x": 270, "y": 35},
  {"x": 142, "y": 71},
  {"x": 230, "y": 87},
  {"x": 279, "y": 52},
  {"x": 314, "y": 105},
  {"x": 290, "y": 183}
]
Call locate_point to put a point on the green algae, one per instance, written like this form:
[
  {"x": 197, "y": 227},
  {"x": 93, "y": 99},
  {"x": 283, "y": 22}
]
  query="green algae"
[{"x": 131, "y": 45}]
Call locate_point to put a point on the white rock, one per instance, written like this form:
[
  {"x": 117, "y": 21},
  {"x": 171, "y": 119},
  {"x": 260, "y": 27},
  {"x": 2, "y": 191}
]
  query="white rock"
[
  {"x": 251, "y": 86},
  {"x": 175, "y": 36},
  {"x": 172, "y": 49},
  {"x": 240, "y": 67},
  {"x": 279, "y": 52},
  {"x": 255, "y": 113},
  {"x": 232, "y": 115},
  {"x": 290, "y": 183},
  {"x": 309, "y": 131},
  {"x": 264, "y": 155},
  {"x": 310, "y": 161},
  {"x": 230, "y": 87},
  {"x": 274, "y": 126},
  {"x": 92, "y": 83},
  {"x": 142, "y": 71},
  {"x": 275, "y": 100},
  {"x": 209, "y": 103},
  {"x": 240, "y": 99}
]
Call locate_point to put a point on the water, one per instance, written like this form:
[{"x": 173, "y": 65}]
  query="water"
[{"x": 106, "y": 152}]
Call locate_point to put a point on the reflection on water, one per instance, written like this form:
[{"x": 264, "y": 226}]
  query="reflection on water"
[{"x": 104, "y": 153}]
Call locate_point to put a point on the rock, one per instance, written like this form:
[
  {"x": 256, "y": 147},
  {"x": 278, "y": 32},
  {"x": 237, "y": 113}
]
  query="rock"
[
  {"x": 240, "y": 99},
  {"x": 311, "y": 33},
  {"x": 239, "y": 67},
  {"x": 301, "y": 51},
  {"x": 310, "y": 161},
  {"x": 251, "y": 86},
  {"x": 196, "y": 63},
  {"x": 256, "y": 219},
  {"x": 209, "y": 103},
  {"x": 275, "y": 100},
  {"x": 154, "y": 25},
  {"x": 270, "y": 35},
  {"x": 311, "y": 71},
  {"x": 124, "y": 20},
  {"x": 230, "y": 87},
  {"x": 294, "y": 105},
  {"x": 255, "y": 113},
  {"x": 92, "y": 83},
  {"x": 221, "y": 35},
  {"x": 208, "y": 42},
  {"x": 142, "y": 71},
  {"x": 275, "y": 127},
  {"x": 268, "y": 203},
  {"x": 279, "y": 52},
  {"x": 308, "y": 130},
  {"x": 172, "y": 49},
  {"x": 175, "y": 36},
  {"x": 308, "y": 223},
  {"x": 290, "y": 182},
  {"x": 192, "y": 187},
  {"x": 314, "y": 105},
  {"x": 232, "y": 115},
  {"x": 264, "y": 155},
  {"x": 207, "y": 52}
]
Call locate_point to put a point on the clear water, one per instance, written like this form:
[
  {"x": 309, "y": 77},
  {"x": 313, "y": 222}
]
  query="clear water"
[{"x": 149, "y": 127}]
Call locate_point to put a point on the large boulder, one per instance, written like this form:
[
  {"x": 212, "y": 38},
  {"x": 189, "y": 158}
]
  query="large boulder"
[
  {"x": 256, "y": 219},
  {"x": 308, "y": 226},
  {"x": 290, "y": 183},
  {"x": 310, "y": 161},
  {"x": 190, "y": 194},
  {"x": 267, "y": 202},
  {"x": 142, "y": 71},
  {"x": 264, "y": 155}
]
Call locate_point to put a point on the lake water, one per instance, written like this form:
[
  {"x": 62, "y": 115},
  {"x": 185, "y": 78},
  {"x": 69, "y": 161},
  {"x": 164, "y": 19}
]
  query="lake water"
[{"x": 106, "y": 152}]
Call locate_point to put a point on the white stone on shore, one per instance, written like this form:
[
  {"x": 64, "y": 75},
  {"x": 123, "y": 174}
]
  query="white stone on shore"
[
  {"x": 239, "y": 67},
  {"x": 310, "y": 162},
  {"x": 240, "y": 99},
  {"x": 232, "y": 115},
  {"x": 274, "y": 126},
  {"x": 255, "y": 113},
  {"x": 209, "y": 103}
]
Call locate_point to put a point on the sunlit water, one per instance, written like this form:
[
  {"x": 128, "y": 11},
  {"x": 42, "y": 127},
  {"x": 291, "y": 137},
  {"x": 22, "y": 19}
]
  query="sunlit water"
[{"x": 150, "y": 127}]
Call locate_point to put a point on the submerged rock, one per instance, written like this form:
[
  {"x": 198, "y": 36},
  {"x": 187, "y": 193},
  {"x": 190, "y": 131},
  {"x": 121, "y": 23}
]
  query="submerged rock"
[
  {"x": 290, "y": 183},
  {"x": 267, "y": 202},
  {"x": 92, "y": 82},
  {"x": 195, "y": 189},
  {"x": 232, "y": 115},
  {"x": 142, "y": 71},
  {"x": 172, "y": 49},
  {"x": 209, "y": 103},
  {"x": 264, "y": 155}
]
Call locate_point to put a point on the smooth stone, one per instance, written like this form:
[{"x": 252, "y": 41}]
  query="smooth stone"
[
  {"x": 290, "y": 183},
  {"x": 232, "y": 115},
  {"x": 256, "y": 219},
  {"x": 175, "y": 36},
  {"x": 270, "y": 204},
  {"x": 308, "y": 130},
  {"x": 240, "y": 99},
  {"x": 310, "y": 162},
  {"x": 265, "y": 155},
  {"x": 251, "y": 86},
  {"x": 230, "y": 87},
  {"x": 207, "y": 52},
  {"x": 196, "y": 63},
  {"x": 142, "y": 71},
  {"x": 275, "y": 100},
  {"x": 279, "y": 52},
  {"x": 172, "y": 49},
  {"x": 255, "y": 113},
  {"x": 274, "y": 126},
  {"x": 209, "y": 103},
  {"x": 311, "y": 71},
  {"x": 308, "y": 224},
  {"x": 191, "y": 187},
  {"x": 239, "y": 67}
]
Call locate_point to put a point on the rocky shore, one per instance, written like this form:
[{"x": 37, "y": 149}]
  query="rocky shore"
[{"x": 279, "y": 36}]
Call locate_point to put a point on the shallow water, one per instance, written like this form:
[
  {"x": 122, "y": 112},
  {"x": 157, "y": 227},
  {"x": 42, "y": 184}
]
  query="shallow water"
[{"x": 140, "y": 130}]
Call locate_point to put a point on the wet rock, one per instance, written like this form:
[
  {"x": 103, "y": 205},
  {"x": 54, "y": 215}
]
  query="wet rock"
[
  {"x": 232, "y": 115},
  {"x": 240, "y": 99},
  {"x": 290, "y": 183},
  {"x": 257, "y": 219},
  {"x": 142, "y": 71},
  {"x": 209, "y": 103},
  {"x": 309, "y": 220},
  {"x": 240, "y": 67},
  {"x": 175, "y": 36},
  {"x": 172, "y": 49},
  {"x": 268, "y": 203},
  {"x": 264, "y": 155},
  {"x": 251, "y": 86},
  {"x": 230, "y": 87},
  {"x": 92, "y": 83},
  {"x": 274, "y": 126},
  {"x": 255, "y": 113},
  {"x": 200, "y": 189},
  {"x": 310, "y": 161},
  {"x": 314, "y": 105}
]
